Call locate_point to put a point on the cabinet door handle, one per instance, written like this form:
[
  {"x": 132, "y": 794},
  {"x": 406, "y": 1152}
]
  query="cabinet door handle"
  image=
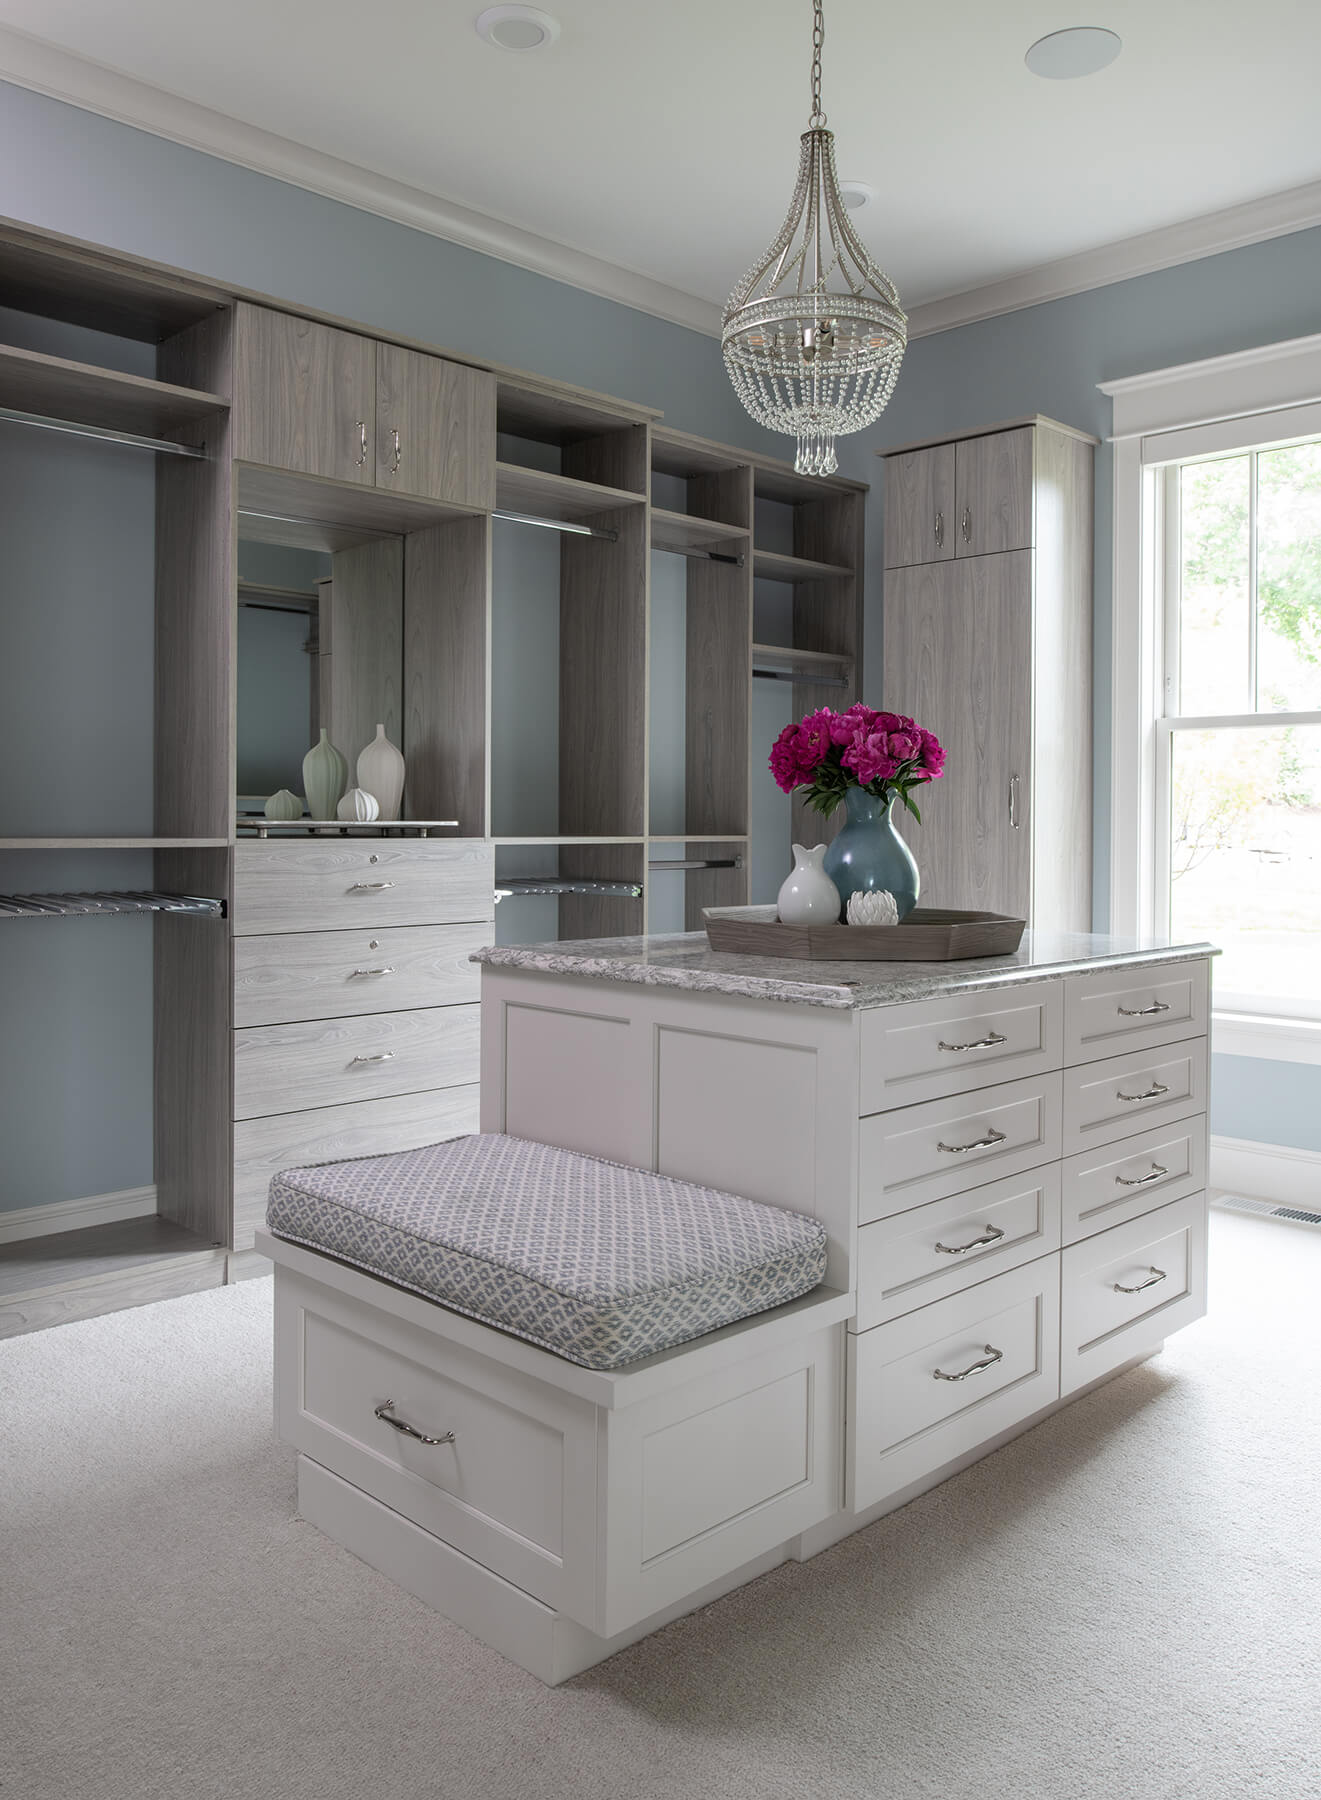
[
  {"x": 1154, "y": 1092},
  {"x": 1013, "y": 801},
  {"x": 396, "y": 453},
  {"x": 383, "y": 1414},
  {"x": 987, "y": 1043},
  {"x": 385, "y": 970},
  {"x": 1141, "y": 1181},
  {"x": 988, "y": 1361},
  {"x": 940, "y": 529},
  {"x": 362, "y": 443},
  {"x": 967, "y": 525},
  {"x": 380, "y": 1056},
  {"x": 1143, "y": 1012},
  {"x": 370, "y": 887},
  {"x": 984, "y": 1143},
  {"x": 1156, "y": 1275},
  {"x": 992, "y": 1235}
]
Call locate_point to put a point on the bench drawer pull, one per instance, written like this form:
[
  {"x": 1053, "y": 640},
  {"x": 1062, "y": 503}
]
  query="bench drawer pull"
[
  {"x": 1156, "y": 1276},
  {"x": 986, "y": 1043},
  {"x": 370, "y": 887},
  {"x": 383, "y": 1413},
  {"x": 1141, "y": 1181},
  {"x": 992, "y": 1235},
  {"x": 992, "y": 1137},
  {"x": 1143, "y": 1012},
  {"x": 991, "y": 1357},
  {"x": 380, "y": 1056},
  {"x": 1154, "y": 1092}
]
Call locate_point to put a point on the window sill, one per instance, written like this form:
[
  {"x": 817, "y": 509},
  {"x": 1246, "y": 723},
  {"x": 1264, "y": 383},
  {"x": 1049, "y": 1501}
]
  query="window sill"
[{"x": 1261, "y": 1035}]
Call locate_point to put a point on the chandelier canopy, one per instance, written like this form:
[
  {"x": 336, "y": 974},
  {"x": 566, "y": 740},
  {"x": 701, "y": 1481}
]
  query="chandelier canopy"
[{"x": 813, "y": 335}]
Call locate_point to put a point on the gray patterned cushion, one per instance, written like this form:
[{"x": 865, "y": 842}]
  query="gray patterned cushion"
[{"x": 596, "y": 1261}]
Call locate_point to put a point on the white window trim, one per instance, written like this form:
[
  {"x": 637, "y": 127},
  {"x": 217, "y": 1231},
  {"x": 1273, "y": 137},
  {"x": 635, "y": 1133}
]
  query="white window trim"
[{"x": 1282, "y": 381}]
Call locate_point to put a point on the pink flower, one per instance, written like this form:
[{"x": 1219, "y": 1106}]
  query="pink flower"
[
  {"x": 933, "y": 757},
  {"x": 905, "y": 746},
  {"x": 797, "y": 753},
  {"x": 870, "y": 758}
]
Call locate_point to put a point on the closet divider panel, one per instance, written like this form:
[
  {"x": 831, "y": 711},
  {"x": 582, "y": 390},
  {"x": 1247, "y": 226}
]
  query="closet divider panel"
[
  {"x": 447, "y": 601},
  {"x": 591, "y": 915},
  {"x": 827, "y": 616},
  {"x": 603, "y": 660},
  {"x": 719, "y": 666},
  {"x": 713, "y": 887},
  {"x": 367, "y": 638}
]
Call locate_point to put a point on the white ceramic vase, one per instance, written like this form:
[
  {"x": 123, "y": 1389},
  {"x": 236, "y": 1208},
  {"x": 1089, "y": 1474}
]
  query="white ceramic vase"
[
  {"x": 809, "y": 896},
  {"x": 358, "y": 807},
  {"x": 283, "y": 806},
  {"x": 325, "y": 776},
  {"x": 381, "y": 772}
]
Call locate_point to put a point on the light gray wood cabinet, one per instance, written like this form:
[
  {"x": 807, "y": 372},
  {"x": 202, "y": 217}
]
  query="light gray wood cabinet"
[
  {"x": 988, "y": 644},
  {"x": 304, "y": 396},
  {"x": 435, "y": 428},
  {"x": 920, "y": 521}
]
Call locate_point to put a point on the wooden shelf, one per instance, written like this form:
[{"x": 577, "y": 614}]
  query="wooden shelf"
[
  {"x": 548, "y": 496},
  {"x": 101, "y": 1268},
  {"x": 812, "y": 661},
  {"x": 769, "y": 565},
  {"x": 114, "y": 843},
  {"x": 83, "y": 394},
  {"x": 312, "y": 512},
  {"x": 683, "y": 531},
  {"x": 558, "y": 415},
  {"x": 525, "y": 842}
]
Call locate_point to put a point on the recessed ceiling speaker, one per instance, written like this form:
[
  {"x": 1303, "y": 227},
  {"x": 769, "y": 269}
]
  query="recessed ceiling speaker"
[
  {"x": 517, "y": 27},
  {"x": 1066, "y": 55}
]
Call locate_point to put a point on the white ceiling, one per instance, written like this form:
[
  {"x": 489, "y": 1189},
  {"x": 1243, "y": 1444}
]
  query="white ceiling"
[{"x": 662, "y": 137}]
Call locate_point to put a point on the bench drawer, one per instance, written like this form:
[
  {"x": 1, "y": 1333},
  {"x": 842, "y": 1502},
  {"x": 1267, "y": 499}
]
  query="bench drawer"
[
  {"x": 930, "y": 1386},
  {"x": 326, "y": 1062},
  {"x": 1124, "y": 1290},
  {"x": 1123, "y": 1180},
  {"x": 933, "y": 1048},
  {"x": 341, "y": 884},
  {"x": 1105, "y": 1013},
  {"x": 936, "y": 1250},
  {"x": 1114, "y": 1099},
  {"x": 922, "y": 1153}
]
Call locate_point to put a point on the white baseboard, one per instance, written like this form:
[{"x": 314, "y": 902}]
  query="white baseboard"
[
  {"x": 1275, "y": 1172},
  {"x": 73, "y": 1215}
]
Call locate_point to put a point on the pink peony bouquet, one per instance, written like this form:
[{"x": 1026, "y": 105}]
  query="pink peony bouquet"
[{"x": 882, "y": 752}]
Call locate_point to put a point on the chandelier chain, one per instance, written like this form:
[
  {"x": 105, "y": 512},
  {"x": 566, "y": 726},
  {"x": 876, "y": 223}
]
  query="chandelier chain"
[{"x": 818, "y": 118}]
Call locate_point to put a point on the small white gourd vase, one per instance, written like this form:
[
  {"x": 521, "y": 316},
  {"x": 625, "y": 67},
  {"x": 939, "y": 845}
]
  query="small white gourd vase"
[
  {"x": 809, "y": 896},
  {"x": 381, "y": 772},
  {"x": 325, "y": 777},
  {"x": 283, "y": 806},
  {"x": 358, "y": 807},
  {"x": 879, "y": 907}
]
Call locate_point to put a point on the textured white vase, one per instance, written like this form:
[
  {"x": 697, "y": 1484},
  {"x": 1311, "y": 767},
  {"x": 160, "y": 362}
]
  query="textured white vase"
[
  {"x": 325, "y": 777},
  {"x": 358, "y": 806},
  {"x": 381, "y": 772},
  {"x": 879, "y": 907},
  {"x": 283, "y": 806},
  {"x": 808, "y": 896}
]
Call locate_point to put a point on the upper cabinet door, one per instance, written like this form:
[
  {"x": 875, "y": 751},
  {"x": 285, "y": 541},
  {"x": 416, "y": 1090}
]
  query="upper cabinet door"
[
  {"x": 435, "y": 428},
  {"x": 995, "y": 493},
  {"x": 304, "y": 396},
  {"x": 919, "y": 507}
]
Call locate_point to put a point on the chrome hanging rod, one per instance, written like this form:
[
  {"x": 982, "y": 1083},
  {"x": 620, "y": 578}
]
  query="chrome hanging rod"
[
  {"x": 102, "y": 433},
  {"x": 734, "y": 559},
  {"x": 572, "y": 527},
  {"x": 71, "y": 906},
  {"x": 701, "y": 862},
  {"x": 550, "y": 884},
  {"x": 809, "y": 680}
]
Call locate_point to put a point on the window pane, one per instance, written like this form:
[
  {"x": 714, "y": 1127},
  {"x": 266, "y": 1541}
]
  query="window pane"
[
  {"x": 1214, "y": 604},
  {"x": 1245, "y": 856},
  {"x": 1289, "y": 579}
]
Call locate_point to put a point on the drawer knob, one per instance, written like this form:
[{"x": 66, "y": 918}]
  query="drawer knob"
[
  {"x": 386, "y": 970},
  {"x": 380, "y": 1056},
  {"x": 1154, "y": 1092},
  {"x": 1141, "y": 1180},
  {"x": 370, "y": 887},
  {"x": 987, "y": 1043},
  {"x": 383, "y": 1413},
  {"x": 992, "y": 1235},
  {"x": 1143, "y": 1012},
  {"x": 988, "y": 1361},
  {"x": 1156, "y": 1276},
  {"x": 983, "y": 1143}
]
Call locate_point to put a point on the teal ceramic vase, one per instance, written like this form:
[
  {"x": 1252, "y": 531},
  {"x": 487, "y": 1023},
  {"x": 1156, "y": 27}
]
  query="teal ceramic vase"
[
  {"x": 325, "y": 777},
  {"x": 868, "y": 854}
]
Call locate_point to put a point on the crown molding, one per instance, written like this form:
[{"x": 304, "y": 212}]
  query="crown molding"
[{"x": 48, "y": 69}]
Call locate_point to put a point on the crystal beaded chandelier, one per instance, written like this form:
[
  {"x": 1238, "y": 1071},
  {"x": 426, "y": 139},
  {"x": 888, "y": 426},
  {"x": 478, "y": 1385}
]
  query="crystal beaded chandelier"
[{"x": 814, "y": 334}]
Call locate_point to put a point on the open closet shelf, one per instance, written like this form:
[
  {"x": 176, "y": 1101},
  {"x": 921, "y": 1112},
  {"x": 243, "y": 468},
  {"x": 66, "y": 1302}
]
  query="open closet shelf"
[
  {"x": 769, "y": 565},
  {"x": 114, "y": 843},
  {"x": 306, "y": 512},
  {"x": 675, "y": 453},
  {"x": 687, "y": 837},
  {"x": 636, "y": 839},
  {"x": 83, "y": 394},
  {"x": 34, "y": 1271},
  {"x": 43, "y": 275},
  {"x": 76, "y": 906},
  {"x": 549, "y": 496},
  {"x": 683, "y": 531},
  {"x": 780, "y": 662}
]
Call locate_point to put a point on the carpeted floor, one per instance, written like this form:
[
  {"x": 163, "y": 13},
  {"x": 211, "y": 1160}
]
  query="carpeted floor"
[{"x": 1123, "y": 1605}]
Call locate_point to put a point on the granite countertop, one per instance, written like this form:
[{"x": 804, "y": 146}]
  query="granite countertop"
[{"x": 683, "y": 960}]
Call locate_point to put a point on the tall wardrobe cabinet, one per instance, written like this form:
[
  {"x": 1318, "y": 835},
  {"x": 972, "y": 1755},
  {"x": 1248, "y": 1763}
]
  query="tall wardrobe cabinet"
[{"x": 987, "y": 642}]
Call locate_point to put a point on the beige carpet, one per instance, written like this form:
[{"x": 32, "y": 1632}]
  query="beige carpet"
[{"x": 1123, "y": 1605}]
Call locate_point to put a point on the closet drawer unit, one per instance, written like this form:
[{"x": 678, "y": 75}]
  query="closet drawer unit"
[
  {"x": 930, "y": 1386},
  {"x": 1126, "y": 1289},
  {"x": 1104, "y": 1014},
  {"x": 262, "y": 1147},
  {"x": 340, "y": 974},
  {"x": 343, "y": 884},
  {"x": 289, "y": 1068},
  {"x": 1114, "y": 1099},
  {"x": 1120, "y": 1181},
  {"x": 939, "y": 1249},
  {"x": 933, "y": 1048},
  {"x": 923, "y": 1153}
]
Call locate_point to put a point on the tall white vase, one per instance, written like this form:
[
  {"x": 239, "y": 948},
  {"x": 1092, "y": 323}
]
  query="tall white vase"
[
  {"x": 809, "y": 896},
  {"x": 325, "y": 776},
  {"x": 381, "y": 772}
]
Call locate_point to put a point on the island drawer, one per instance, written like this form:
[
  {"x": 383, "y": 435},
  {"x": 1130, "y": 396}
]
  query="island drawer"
[
  {"x": 922, "y": 1153},
  {"x": 1124, "y": 1290},
  {"x": 324, "y": 1062},
  {"x": 931, "y": 1048},
  {"x": 935, "y": 1384},
  {"x": 1119, "y": 1181},
  {"x": 936, "y": 1250},
  {"x": 1159, "y": 1004},
  {"x": 1111, "y": 1100},
  {"x": 340, "y": 884},
  {"x": 341, "y": 974}
]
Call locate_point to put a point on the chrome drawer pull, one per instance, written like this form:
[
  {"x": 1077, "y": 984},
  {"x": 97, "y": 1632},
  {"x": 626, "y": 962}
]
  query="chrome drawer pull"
[
  {"x": 1156, "y": 1275},
  {"x": 1156, "y": 1172},
  {"x": 383, "y": 1413},
  {"x": 940, "y": 529},
  {"x": 986, "y": 1043},
  {"x": 380, "y": 1056},
  {"x": 1154, "y": 1092},
  {"x": 397, "y": 456},
  {"x": 362, "y": 442},
  {"x": 370, "y": 887},
  {"x": 1143, "y": 1012},
  {"x": 992, "y": 1137},
  {"x": 992, "y": 1357},
  {"x": 387, "y": 970},
  {"x": 992, "y": 1236}
]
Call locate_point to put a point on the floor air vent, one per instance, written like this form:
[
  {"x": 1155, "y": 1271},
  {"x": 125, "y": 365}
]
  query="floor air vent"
[{"x": 1264, "y": 1209}]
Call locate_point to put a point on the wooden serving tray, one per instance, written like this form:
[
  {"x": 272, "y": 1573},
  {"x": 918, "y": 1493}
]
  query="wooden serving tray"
[{"x": 928, "y": 934}]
